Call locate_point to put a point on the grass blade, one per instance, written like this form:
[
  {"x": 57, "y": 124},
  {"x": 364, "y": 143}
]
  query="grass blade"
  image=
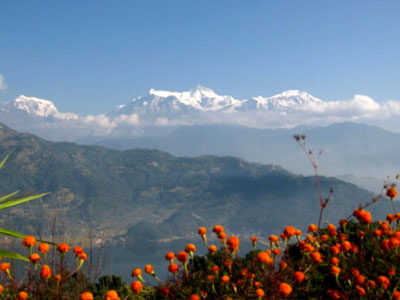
[
  {"x": 20, "y": 201},
  {"x": 4, "y": 198},
  {"x": 4, "y": 161},
  {"x": 12, "y": 233},
  {"x": 12, "y": 255}
]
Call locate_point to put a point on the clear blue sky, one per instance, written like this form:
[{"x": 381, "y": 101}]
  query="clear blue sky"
[{"x": 89, "y": 56}]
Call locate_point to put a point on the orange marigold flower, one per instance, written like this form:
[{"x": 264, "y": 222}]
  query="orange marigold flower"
[
  {"x": 360, "y": 279},
  {"x": 316, "y": 257},
  {"x": 4, "y": 267},
  {"x": 334, "y": 294},
  {"x": 222, "y": 235},
  {"x": 335, "y": 270},
  {"x": 264, "y": 258},
  {"x": 289, "y": 231},
  {"x": 394, "y": 243},
  {"x": 225, "y": 279},
  {"x": 29, "y": 241},
  {"x": 257, "y": 284},
  {"x": 390, "y": 218},
  {"x": 298, "y": 232},
  {"x": 385, "y": 244},
  {"x": 273, "y": 238},
  {"x": 254, "y": 240},
  {"x": 45, "y": 272},
  {"x": 332, "y": 229},
  {"x": 111, "y": 295},
  {"x": 233, "y": 243},
  {"x": 170, "y": 256},
  {"x": 215, "y": 269},
  {"x": 190, "y": 248},
  {"x": 136, "y": 272},
  {"x": 1, "y": 288},
  {"x": 44, "y": 247},
  {"x": 34, "y": 258},
  {"x": 396, "y": 295},
  {"x": 391, "y": 272},
  {"x": 285, "y": 289},
  {"x": 58, "y": 277},
  {"x": 149, "y": 269},
  {"x": 312, "y": 228},
  {"x": 384, "y": 281},
  {"x": 212, "y": 248},
  {"x": 324, "y": 237},
  {"x": 63, "y": 248},
  {"x": 173, "y": 268},
  {"x": 299, "y": 276},
  {"x": 377, "y": 232},
  {"x": 335, "y": 261},
  {"x": 82, "y": 256},
  {"x": 182, "y": 256},
  {"x": 343, "y": 223},
  {"x": 137, "y": 286},
  {"x": 202, "y": 230},
  {"x": 78, "y": 250},
  {"x": 354, "y": 271},
  {"x": 342, "y": 237},
  {"x": 86, "y": 296},
  {"x": 22, "y": 296},
  {"x": 391, "y": 192},
  {"x": 282, "y": 265},
  {"x": 194, "y": 297},
  {"x": 218, "y": 229},
  {"x": 371, "y": 284},
  {"x": 335, "y": 250},
  {"x": 345, "y": 246},
  {"x": 360, "y": 290},
  {"x": 210, "y": 277},
  {"x": 276, "y": 251},
  {"x": 365, "y": 217},
  {"x": 260, "y": 293}
]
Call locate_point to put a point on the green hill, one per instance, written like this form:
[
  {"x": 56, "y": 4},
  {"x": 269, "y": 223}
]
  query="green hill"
[{"x": 140, "y": 196}]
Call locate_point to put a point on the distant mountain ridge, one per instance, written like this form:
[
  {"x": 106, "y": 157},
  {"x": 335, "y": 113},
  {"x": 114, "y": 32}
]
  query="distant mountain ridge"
[
  {"x": 347, "y": 148},
  {"x": 167, "y": 110}
]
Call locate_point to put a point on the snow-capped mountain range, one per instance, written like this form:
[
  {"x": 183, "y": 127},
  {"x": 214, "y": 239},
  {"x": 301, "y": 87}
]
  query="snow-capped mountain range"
[{"x": 200, "y": 105}]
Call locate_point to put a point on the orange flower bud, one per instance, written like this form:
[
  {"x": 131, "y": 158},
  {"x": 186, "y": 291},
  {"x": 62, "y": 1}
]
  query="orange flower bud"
[
  {"x": 78, "y": 250},
  {"x": 136, "y": 272},
  {"x": 63, "y": 248},
  {"x": 312, "y": 228},
  {"x": 45, "y": 272},
  {"x": 391, "y": 192},
  {"x": 149, "y": 269},
  {"x": 136, "y": 286},
  {"x": 86, "y": 296},
  {"x": 218, "y": 229},
  {"x": 29, "y": 241},
  {"x": 170, "y": 256},
  {"x": 264, "y": 258},
  {"x": 225, "y": 279},
  {"x": 260, "y": 293},
  {"x": 44, "y": 247},
  {"x": 384, "y": 281},
  {"x": 111, "y": 295},
  {"x": 335, "y": 270},
  {"x": 202, "y": 230},
  {"x": 233, "y": 243},
  {"x": 285, "y": 289},
  {"x": 316, "y": 257},
  {"x": 182, "y": 256},
  {"x": 299, "y": 276},
  {"x": 4, "y": 267},
  {"x": 194, "y": 297},
  {"x": 190, "y": 248},
  {"x": 289, "y": 231},
  {"x": 213, "y": 249},
  {"x": 173, "y": 268},
  {"x": 22, "y": 295},
  {"x": 34, "y": 258}
]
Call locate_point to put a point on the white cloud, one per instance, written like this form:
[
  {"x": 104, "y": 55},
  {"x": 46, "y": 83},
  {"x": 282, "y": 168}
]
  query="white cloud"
[{"x": 3, "y": 85}]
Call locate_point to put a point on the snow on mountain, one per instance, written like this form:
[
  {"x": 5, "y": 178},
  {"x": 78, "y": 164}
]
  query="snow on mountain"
[
  {"x": 40, "y": 108},
  {"x": 200, "y": 99},
  {"x": 291, "y": 99}
]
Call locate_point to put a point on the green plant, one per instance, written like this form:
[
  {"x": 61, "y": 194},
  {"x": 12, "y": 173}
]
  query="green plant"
[{"x": 8, "y": 201}]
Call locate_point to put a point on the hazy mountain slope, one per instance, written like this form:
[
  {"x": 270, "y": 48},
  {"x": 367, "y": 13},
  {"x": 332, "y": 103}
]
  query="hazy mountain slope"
[{"x": 358, "y": 149}]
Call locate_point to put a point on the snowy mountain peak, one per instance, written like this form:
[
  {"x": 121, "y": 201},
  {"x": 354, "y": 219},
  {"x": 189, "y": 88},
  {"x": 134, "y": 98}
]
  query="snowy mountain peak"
[
  {"x": 40, "y": 108},
  {"x": 286, "y": 100}
]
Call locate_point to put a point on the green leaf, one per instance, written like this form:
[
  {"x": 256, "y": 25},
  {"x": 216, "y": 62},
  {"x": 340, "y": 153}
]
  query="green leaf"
[
  {"x": 12, "y": 233},
  {"x": 13, "y": 255},
  {"x": 4, "y": 198},
  {"x": 20, "y": 201},
  {"x": 4, "y": 161}
]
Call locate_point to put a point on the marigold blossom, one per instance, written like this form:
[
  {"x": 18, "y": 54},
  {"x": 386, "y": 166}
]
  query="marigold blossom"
[
  {"x": 63, "y": 248},
  {"x": 29, "y": 241},
  {"x": 233, "y": 243},
  {"x": 260, "y": 293},
  {"x": 299, "y": 276},
  {"x": 182, "y": 256},
  {"x": 22, "y": 296},
  {"x": 111, "y": 295},
  {"x": 190, "y": 248},
  {"x": 86, "y": 296},
  {"x": 194, "y": 297},
  {"x": 225, "y": 279},
  {"x": 173, "y": 268},
  {"x": 44, "y": 247},
  {"x": 213, "y": 249},
  {"x": 285, "y": 289},
  {"x": 45, "y": 272},
  {"x": 391, "y": 192}
]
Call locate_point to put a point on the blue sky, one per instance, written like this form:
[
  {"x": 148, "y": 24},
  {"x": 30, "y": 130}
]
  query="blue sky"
[{"x": 89, "y": 56}]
